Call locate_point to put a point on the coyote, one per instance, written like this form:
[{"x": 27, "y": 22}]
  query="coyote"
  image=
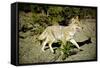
[{"x": 63, "y": 33}]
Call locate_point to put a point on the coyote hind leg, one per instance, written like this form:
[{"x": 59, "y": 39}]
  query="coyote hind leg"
[{"x": 44, "y": 44}]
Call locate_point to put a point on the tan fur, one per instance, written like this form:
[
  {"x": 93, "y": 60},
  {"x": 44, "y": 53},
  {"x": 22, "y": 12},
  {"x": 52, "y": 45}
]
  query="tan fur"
[{"x": 63, "y": 33}]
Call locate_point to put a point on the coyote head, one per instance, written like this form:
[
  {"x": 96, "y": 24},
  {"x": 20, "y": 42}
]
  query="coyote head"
[{"x": 75, "y": 23}]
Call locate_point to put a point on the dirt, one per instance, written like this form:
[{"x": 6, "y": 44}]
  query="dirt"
[{"x": 30, "y": 47}]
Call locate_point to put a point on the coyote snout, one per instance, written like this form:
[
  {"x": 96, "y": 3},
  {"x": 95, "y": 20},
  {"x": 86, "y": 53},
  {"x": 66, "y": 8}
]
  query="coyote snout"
[{"x": 63, "y": 33}]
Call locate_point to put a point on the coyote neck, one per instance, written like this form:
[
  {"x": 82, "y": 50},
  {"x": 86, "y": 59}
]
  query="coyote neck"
[{"x": 69, "y": 31}]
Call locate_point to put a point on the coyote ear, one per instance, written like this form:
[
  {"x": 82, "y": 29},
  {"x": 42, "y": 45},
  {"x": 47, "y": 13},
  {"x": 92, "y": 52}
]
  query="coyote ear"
[
  {"x": 71, "y": 20},
  {"x": 77, "y": 17}
]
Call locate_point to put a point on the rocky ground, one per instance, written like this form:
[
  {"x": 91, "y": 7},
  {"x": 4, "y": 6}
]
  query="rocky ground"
[{"x": 30, "y": 47}]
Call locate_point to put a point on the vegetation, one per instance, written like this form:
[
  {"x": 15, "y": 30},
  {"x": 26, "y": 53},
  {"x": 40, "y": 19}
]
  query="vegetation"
[
  {"x": 66, "y": 50},
  {"x": 40, "y": 16}
]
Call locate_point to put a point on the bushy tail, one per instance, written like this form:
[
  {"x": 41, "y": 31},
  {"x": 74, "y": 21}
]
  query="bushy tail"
[{"x": 43, "y": 35}]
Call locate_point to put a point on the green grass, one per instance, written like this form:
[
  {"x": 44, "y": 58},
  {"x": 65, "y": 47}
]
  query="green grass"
[{"x": 66, "y": 50}]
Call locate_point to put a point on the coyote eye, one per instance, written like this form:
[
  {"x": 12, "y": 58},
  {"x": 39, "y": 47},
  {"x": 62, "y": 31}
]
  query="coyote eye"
[{"x": 77, "y": 28}]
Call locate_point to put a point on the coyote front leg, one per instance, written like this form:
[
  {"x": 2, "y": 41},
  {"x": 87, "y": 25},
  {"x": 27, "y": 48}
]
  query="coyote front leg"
[
  {"x": 50, "y": 45},
  {"x": 75, "y": 43}
]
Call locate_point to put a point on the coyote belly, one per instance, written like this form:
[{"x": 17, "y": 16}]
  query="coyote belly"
[{"x": 55, "y": 33}]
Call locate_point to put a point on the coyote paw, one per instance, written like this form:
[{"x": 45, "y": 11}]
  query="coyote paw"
[
  {"x": 43, "y": 50},
  {"x": 80, "y": 49},
  {"x": 52, "y": 51}
]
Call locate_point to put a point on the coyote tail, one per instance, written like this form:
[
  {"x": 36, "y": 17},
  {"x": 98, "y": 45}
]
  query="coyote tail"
[{"x": 43, "y": 35}]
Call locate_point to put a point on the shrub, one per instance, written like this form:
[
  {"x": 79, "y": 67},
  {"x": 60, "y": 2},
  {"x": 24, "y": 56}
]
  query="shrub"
[{"x": 66, "y": 50}]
